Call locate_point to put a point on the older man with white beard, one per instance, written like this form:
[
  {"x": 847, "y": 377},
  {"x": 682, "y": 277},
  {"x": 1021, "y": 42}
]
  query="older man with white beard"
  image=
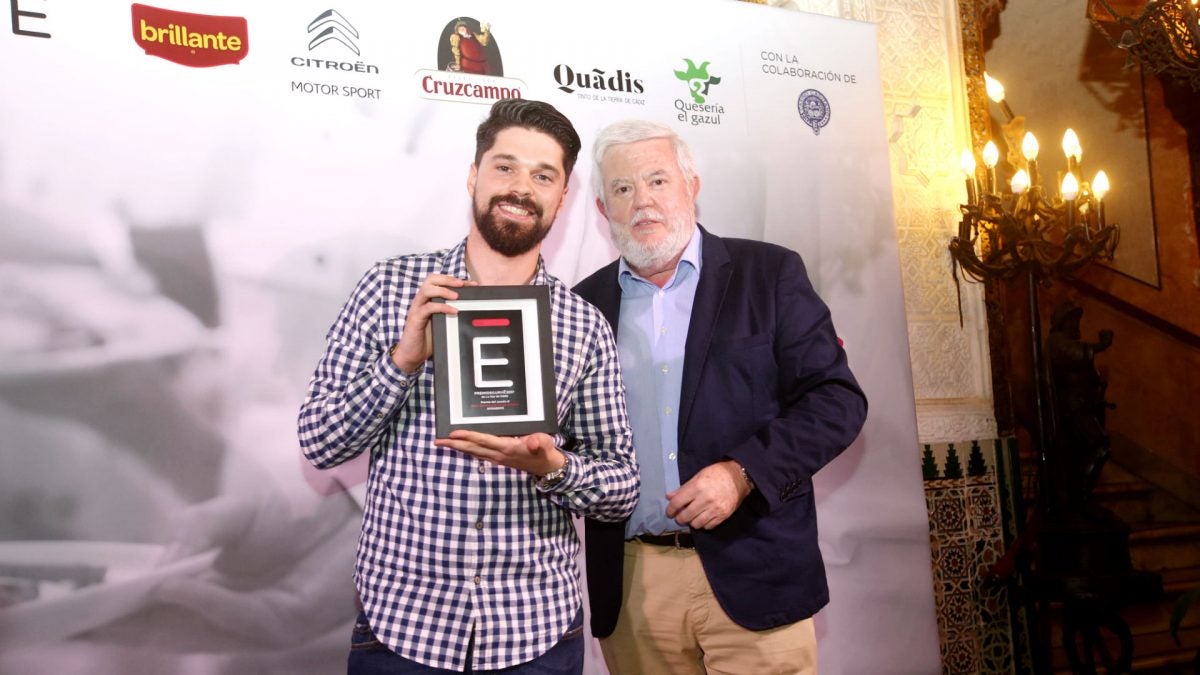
[{"x": 738, "y": 392}]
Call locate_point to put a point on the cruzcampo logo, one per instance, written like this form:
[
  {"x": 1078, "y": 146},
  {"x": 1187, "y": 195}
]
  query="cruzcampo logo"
[{"x": 698, "y": 79}]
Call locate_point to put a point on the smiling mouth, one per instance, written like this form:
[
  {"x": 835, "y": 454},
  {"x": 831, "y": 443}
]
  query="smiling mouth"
[
  {"x": 514, "y": 210},
  {"x": 515, "y": 207}
]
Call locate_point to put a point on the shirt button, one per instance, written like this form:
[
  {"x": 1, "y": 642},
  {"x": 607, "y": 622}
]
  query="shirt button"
[
  {"x": 479, "y": 524},
  {"x": 666, "y": 368},
  {"x": 378, "y": 415},
  {"x": 482, "y": 467},
  {"x": 666, "y": 411},
  {"x": 671, "y": 457},
  {"x": 478, "y": 580},
  {"x": 662, "y": 331}
]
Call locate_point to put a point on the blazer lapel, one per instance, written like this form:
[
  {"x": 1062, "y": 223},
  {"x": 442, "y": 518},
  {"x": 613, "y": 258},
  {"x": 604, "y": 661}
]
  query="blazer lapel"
[
  {"x": 715, "y": 270},
  {"x": 608, "y": 300}
]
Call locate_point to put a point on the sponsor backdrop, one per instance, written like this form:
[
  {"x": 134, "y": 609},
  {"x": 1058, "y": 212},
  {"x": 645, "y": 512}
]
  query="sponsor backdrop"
[{"x": 188, "y": 192}]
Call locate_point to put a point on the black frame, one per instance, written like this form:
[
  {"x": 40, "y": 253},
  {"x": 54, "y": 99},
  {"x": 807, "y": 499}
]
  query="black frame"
[{"x": 533, "y": 305}]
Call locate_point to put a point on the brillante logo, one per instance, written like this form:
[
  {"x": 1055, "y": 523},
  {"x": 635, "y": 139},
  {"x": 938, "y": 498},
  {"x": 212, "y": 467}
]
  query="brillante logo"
[{"x": 195, "y": 40}]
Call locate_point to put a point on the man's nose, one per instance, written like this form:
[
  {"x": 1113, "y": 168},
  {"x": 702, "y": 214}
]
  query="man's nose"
[
  {"x": 523, "y": 184},
  {"x": 642, "y": 197}
]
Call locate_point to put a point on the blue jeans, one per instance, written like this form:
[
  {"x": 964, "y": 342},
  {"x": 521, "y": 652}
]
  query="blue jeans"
[{"x": 369, "y": 656}]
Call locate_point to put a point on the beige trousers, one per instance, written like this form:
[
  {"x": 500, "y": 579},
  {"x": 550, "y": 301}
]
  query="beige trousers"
[{"x": 671, "y": 624}]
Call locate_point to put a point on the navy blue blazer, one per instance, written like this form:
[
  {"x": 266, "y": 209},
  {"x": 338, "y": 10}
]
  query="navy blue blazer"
[{"x": 765, "y": 383}]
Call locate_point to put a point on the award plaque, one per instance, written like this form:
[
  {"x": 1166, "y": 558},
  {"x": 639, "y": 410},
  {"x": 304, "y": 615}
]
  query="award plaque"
[{"x": 494, "y": 362}]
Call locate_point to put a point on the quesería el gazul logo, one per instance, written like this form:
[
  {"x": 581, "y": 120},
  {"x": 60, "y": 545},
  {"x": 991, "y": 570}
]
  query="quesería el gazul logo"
[
  {"x": 195, "y": 40},
  {"x": 700, "y": 110},
  {"x": 469, "y": 66}
]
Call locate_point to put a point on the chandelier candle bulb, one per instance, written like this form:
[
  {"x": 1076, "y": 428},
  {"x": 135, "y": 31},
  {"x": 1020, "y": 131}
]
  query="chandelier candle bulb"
[
  {"x": 1029, "y": 148},
  {"x": 991, "y": 155},
  {"x": 968, "y": 166},
  {"x": 1072, "y": 149},
  {"x": 1020, "y": 182},
  {"x": 1070, "y": 190},
  {"x": 1100, "y": 188},
  {"x": 995, "y": 91}
]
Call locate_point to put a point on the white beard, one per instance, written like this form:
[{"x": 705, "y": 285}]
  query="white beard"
[{"x": 654, "y": 254}]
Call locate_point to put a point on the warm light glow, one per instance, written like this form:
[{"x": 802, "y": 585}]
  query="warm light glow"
[
  {"x": 991, "y": 155},
  {"x": 995, "y": 90},
  {"x": 1070, "y": 145},
  {"x": 1029, "y": 146},
  {"x": 1100, "y": 184},
  {"x": 1070, "y": 187},
  {"x": 1020, "y": 182},
  {"x": 967, "y": 163}
]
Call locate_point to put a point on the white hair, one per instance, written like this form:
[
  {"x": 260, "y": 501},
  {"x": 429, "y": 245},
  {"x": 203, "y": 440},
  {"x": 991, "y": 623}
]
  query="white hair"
[{"x": 633, "y": 131}]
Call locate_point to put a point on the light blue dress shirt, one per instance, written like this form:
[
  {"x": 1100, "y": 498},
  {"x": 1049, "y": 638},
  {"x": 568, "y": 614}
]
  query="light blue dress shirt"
[{"x": 651, "y": 335}]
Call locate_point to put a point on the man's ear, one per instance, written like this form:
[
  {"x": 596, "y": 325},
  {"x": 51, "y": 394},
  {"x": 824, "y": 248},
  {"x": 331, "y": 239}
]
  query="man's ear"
[
  {"x": 471, "y": 175},
  {"x": 695, "y": 187},
  {"x": 562, "y": 199},
  {"x": 600, "y": 207}
]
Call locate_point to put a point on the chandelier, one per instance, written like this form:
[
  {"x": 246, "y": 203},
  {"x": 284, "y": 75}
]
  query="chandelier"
[
  {"x": 1022, "y": 229},
  {"x": 1164, "y": 37}
]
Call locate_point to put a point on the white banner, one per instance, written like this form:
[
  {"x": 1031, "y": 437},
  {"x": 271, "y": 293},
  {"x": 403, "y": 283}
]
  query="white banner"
[{"x": 189, "y": 191}]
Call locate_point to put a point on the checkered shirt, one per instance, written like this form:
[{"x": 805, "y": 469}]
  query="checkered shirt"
[{"x": 451, "y": 544}]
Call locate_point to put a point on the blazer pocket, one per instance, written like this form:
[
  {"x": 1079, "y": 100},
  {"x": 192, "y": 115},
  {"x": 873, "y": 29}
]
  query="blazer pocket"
[
  {"x": 745, "y": 374},
  {"x": 742, "y": 343}
]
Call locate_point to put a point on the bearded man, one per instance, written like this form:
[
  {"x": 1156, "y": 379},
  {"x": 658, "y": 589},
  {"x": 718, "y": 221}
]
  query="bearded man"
[{"x": 466, "y": 560}]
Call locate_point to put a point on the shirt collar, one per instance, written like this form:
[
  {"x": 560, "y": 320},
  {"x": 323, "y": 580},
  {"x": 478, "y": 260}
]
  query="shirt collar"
[{"x": 455, "y": 265}]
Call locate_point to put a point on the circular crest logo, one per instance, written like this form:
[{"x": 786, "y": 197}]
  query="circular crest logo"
[{"x": 814, "y": 109}]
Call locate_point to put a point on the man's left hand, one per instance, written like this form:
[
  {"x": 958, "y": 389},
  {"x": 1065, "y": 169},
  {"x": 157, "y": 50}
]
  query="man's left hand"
[
  {"x": 534, "y": 454},
  {"x": 710, "y": 497}
]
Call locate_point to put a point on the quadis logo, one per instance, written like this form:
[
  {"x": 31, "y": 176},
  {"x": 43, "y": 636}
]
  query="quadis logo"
[{"x": 195, "y": 40}]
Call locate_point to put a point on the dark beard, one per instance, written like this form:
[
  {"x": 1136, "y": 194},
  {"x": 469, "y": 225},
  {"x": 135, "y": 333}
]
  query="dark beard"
[{"x": 505, "y": 237}]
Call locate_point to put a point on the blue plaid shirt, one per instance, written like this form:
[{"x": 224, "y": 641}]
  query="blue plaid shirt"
[{"x": 451, "y": 544}]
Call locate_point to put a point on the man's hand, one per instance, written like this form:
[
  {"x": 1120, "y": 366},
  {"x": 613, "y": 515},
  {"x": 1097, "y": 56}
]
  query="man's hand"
[
  {"x": 534, "y": 454},
  {"x": 711, "y": 496},
  {"x": 416, "y": 342}
]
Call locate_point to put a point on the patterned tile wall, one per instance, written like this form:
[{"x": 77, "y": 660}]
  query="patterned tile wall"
[{"x": 973, "y": 501}]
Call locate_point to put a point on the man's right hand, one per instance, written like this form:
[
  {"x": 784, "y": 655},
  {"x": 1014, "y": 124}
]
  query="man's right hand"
[{"x": 416, "y": 342}]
